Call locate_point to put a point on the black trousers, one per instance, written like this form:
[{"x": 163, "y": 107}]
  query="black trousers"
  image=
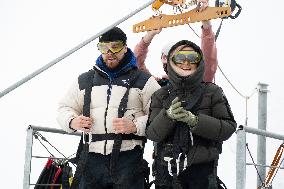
[
  {"x": 197, "y": 176},
  {"x": 97, "y": 172}
]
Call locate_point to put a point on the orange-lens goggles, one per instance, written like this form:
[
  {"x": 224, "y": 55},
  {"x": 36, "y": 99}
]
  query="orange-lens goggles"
[
  {"x": 191, "y": 56},
  {"x": 114, "y": 47}
]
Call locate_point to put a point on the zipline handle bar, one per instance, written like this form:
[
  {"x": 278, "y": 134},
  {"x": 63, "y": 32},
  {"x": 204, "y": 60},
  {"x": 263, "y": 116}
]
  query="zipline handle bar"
[{"x": 68, "y": 53}]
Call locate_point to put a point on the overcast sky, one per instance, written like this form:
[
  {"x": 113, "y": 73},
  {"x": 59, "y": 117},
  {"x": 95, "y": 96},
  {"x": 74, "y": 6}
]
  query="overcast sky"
[{"x": 35, "y": 32}]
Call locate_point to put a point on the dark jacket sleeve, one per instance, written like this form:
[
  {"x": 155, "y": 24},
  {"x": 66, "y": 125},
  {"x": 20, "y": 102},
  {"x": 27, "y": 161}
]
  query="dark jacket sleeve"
[
  {"x": 221, "y": 125},
  {"x": 159, "y": 126}
]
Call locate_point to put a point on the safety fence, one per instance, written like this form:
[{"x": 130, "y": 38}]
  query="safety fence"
[
  {"x": 264, "y": 181},
  {"x": 241, "y": 150},
  {"x": 33, "y": 132}
]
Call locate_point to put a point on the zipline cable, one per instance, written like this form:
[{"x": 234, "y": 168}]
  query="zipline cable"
[{"x": 68, "y": 53}]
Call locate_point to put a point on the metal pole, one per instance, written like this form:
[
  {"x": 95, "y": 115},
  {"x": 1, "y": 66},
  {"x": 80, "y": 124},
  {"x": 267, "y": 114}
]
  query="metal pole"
[
  {"x": 262, "y": 121},
  {"x": 28, "y": 158},
  {"x": 53, "y": 130},
  {"x": 241, "y": 159},
  {"x": 269, "y": 166},
  {"x": 52, "y": 63}
]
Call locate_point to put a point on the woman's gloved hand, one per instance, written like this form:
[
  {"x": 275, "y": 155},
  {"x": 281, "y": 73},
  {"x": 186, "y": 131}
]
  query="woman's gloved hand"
[
  {"x": 178, "y": 113},
  {"x": 187, "y": 117},
  {"x": 175, "y": 109}
]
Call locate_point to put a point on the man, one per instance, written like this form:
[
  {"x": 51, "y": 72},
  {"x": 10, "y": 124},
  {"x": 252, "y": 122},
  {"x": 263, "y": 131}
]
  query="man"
[{"x": 119, "y": 103}]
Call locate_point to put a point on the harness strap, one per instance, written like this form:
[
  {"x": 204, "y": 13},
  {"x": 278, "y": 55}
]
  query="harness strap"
[
  {"x": 66, "y": 172},
  {"x": 80, "y": 167},
  {"x": 112, "y": 136},
  {"x": 115, "y": 155},
  {"x": 118, "y": 137},
  {"x": 87, "y": 100},
  {"x": 182, "y": 138},
  {"x": 83, "y": 148}
]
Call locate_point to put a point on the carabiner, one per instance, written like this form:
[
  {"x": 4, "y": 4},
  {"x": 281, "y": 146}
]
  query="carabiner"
[{"x": 87, "y": 137}]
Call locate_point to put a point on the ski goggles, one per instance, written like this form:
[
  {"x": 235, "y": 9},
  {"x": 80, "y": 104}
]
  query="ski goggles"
[
  {"x": 191, "y": 56},
  {"x": 114, "y": 47}
]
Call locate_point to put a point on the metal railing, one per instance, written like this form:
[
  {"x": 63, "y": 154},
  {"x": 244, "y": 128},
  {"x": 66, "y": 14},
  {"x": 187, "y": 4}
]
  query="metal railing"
[
  {"x": 241, "y": 152},
  {"x": 29, "y": 145}
]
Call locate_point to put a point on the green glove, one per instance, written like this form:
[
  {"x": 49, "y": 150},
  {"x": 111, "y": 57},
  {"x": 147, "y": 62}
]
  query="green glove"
[
  {"x": 188, "y": 118},
  {"x": 175, "y": 109}
]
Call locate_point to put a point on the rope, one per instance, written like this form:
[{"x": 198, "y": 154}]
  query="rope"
[
  {"x": 277, "y": 169},
  {"x": 242, "y": 95},
  {"x": 245, "y": 97},
  {"x": 44, "y": 139},
  {"x": 254, "y": 163},
  {"x": 44, "y": 146},
  {"x": 275, "y": 163},
  {"x": 39, "y": 136},
  {"x": 193, "y": 31},
  {"x": 219, "y": 29},
  {"x": 180, "y": 10}
]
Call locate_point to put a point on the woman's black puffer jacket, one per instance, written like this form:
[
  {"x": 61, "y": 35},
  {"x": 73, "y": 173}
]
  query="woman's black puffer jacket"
[{"x": 206, "y": 100}]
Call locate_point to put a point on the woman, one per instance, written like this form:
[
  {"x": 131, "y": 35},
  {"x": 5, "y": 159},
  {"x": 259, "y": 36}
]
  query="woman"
[{"x": 189, "y": 120}]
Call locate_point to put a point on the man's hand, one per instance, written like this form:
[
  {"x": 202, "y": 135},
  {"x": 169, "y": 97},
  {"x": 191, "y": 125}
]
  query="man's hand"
[
  {"x": 123, "y": 126},
  {"x": 82, "y": 123},
  {"x": 150, "y": 35},
  {"x": 202, "y": 4}
]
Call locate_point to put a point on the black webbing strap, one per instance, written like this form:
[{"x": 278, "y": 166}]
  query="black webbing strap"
[
  {"x": 181, "y": 138},
  {"x": 176, "y": 151},
  {"x": 66, "y": 173},
  {"x": 80, "y": 167},
  {"x": 119, "y": 137},
  {"x": 112, "y": 136},
  {"x": 83, "y": 148}
]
